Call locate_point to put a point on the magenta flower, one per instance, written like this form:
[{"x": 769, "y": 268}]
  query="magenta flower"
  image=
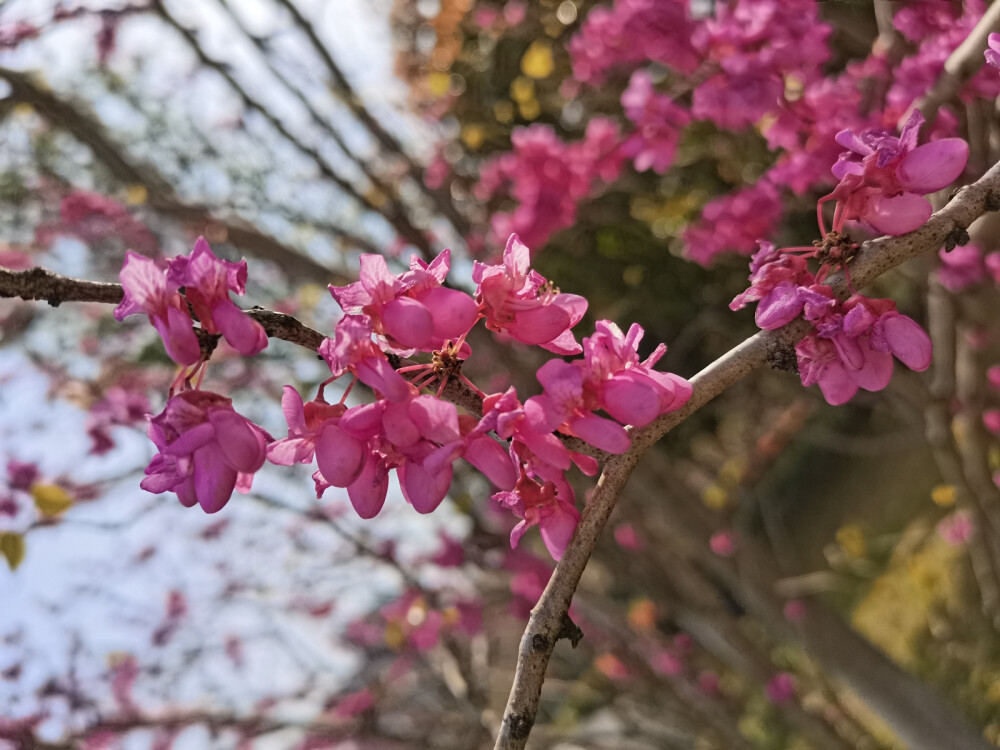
[
  {"x": 658, "y": 124},
  {"x": 961, "y": 268},
  {"x": 853, "y": 344},
  {"x": 541, "y": 505},
  {"x": 563, "y": 406},
  {"x": 993, "y": 52},
  {"x": 207, "y": 282},
  {"x": 148, "y": 290},
  {"x": 781, "y": 688},
  {"x": 883, "y": 178},
  {"x": 522, "y": 303},
  {"x": 352, "y": 350},
  {"x": 776, "y": 279},
  {"x": 411, "y": 310},
  {"x": 733, "y": 223},
  {"x": 205, "y": 448},
  {"x": 304, "y": 424},
  {"x": 629, "y": 390}
]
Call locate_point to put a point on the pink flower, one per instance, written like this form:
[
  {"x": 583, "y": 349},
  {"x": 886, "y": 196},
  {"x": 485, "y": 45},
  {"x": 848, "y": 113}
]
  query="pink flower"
[
  {"x": 522, "y": 303},
  {"x": 993, "y": 52},
  {"x": 883, "y": 178},
  {"x": 411, "y": 310},
  {"x": 956, "y": 529},
  {"x": 148, "y": 290},
  {"x": 781, "y": 688},
  {"x": 961, "y": 268},
  {"x": 629, "y": 390},
  {"x": 851, "y": 345},
  {"x": 352, "y": 350},
  {"x": 658, "y": 124},
  {"x": 541, "y": 505},
  {"x": 733, "y": 223},
  {"x": 993, "y": 376},
  {"x": 723, "y": 543},
  {"x": 562, "y": 406},
  {"x": 991, "y": 421},
  {"x": 776, "y": 280},
  {"x": 207, "y": 282},
  {"x": 205, "y": 448}
]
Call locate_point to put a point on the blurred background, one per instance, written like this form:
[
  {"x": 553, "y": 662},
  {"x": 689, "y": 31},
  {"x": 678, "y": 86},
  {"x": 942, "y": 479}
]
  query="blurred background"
[{"x": 779, "y": 573}]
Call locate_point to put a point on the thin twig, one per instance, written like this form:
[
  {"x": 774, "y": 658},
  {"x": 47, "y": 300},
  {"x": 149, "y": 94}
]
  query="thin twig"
[
  {"x": 162, "y": 197},
  {"x": 391, "y": 211}
]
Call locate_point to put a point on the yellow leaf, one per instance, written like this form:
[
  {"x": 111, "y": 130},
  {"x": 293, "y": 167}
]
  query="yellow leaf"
[
  {"x": 530, "y": 109},
  {"x": 51, "y": 499},
  {"x": 438, "y": 83},
  {"x": 473, "y": 135},
  {"x": 944, "y": 495},
  {"x": 522, "y": 89},
  {"x": 537, "y": 61},
  {"x": 851, "y": 538},
  {"x": 12, "y": 548},
  {"x": 715, "y": 497},
  {"x": 136, "y": 195}
]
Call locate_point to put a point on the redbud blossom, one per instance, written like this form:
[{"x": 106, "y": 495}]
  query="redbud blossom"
[
  {"x": 542, "y": 506},
  {"x": 411, "y": 310},
  {"x": 207, "y": 282},
  {"x": 993, "y": 52},
  {"x": 147, "y": 290},
  {"x": 521, "y": 302},
  {"x": 883, "y": 178},
  {"x": 205, "y": 448}
]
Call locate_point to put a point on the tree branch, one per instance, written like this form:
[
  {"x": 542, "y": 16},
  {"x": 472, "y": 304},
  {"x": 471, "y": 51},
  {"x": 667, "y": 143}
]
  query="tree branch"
[
  {"x": 441, "y": 199},
  {"x": 946, "y": 227},
  {"x": 44, "y": 285},
  {"x": 162, "y": 198},
  {"x": 392, "y": 212}
]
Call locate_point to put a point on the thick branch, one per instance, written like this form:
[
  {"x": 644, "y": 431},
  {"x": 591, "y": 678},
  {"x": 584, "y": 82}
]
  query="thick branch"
[{"x": 946, "y": 227}]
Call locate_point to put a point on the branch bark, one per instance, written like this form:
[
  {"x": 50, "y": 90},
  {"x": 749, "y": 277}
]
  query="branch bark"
[{"x": 946, "y": 227}]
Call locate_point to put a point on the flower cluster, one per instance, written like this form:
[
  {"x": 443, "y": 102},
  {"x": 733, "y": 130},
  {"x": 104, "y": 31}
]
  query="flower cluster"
[
  {"x": 206, "y": 449},
  {"x": 883, "y": 178},
  {"x": 547, "y": 178},
  {"x": 152, "y": 287},
  {"x": 852, "y": 343},
  {"x": 420, "y": 436}
]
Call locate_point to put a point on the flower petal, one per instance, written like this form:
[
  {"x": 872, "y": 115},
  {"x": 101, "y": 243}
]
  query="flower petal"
[
  {"x": 339, "y": 456},
  {"x": 908, "y": 341},
  {"x": 424, "y": 489},
  {"x": 933, "y": 166},
  {"x": 897, "y": 215},
  {"x": 243, "y": 333}
]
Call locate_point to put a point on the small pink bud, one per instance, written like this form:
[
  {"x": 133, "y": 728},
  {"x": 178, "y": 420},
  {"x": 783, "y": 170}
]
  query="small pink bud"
[
  {"x": 993, "y": 376},
  {"x": 723, "y": 543},
  {"x": 795, "y": 610},
  {"x": 991, "y": 421},
  {"x": 781, "y": 688},
  {"x": 626, "y": 537}
]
